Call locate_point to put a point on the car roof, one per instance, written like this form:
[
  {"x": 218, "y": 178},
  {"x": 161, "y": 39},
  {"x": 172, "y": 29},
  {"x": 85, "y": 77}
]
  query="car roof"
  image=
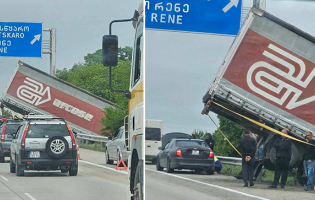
[
  {"x": 188, "y": 140},
  {"x": 46, "y": 122}
]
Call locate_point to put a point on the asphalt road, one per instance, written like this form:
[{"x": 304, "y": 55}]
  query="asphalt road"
[
  {"x": 95, "y": 180},
  {"x": 186, "y": 185}
]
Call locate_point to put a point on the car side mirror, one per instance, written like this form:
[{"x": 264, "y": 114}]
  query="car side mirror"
[
  {"x": 13, "y": 135},
  {"x": 110, "y": 50},
  {"x": 75, "y": 134},
  {"x": 160, "y": 148},
  {"x": 110, "y": 138}
]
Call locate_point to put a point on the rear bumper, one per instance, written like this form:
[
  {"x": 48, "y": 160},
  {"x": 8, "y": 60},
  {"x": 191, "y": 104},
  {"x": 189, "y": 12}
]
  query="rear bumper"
[
  {"x": 189, "y": 163},
  {"x": 5, "y": 149},
  {"x": 47, "y": 164}
]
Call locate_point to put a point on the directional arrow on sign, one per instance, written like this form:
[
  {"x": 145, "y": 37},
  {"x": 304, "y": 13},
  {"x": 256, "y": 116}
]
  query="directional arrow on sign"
[
  {"x": 229, "y": 6},
  {"x": 36, "y": 38}
]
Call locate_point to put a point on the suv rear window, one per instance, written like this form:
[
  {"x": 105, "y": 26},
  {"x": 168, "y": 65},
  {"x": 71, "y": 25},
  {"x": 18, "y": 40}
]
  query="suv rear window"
[
  {"x": 153, "y": 134},
  {"x": 11, "y": 128},
  {"x": 47, "y": 130},
  {"x": 190, "y": 143}
]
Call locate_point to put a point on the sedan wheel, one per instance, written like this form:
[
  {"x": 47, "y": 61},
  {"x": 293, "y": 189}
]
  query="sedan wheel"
[
  {"x": 169, "y": 169},
  {"x": 107, "y": 160},
  {"x": 158, "y": 166}
]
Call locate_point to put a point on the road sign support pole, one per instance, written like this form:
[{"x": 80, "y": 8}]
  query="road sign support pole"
[
  {"x": 53, "y": 52},
  {"x": 261, "y": 4},
  {"x": 49, "y": 47}
]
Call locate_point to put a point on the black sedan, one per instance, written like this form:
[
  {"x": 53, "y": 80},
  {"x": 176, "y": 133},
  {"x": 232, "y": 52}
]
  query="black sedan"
[{"x": 186, "y": 154}]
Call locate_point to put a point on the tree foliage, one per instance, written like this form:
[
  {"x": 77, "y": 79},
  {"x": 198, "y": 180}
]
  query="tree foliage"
[
  {"x": 200, "y": 134},
  {"x": 233, "y": 132},
  {"x": 94, "y": 77}
]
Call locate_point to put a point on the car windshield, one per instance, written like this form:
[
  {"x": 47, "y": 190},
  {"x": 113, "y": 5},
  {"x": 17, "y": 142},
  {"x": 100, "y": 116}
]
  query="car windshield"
[
  {"x": 191, "y": 143},
  {"x": 47, "y": 130},
  {"x": 11, "y": 128},
  {"x": 153, "y": 134}
]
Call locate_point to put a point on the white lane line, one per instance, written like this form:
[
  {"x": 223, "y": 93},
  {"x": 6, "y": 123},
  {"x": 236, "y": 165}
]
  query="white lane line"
[
  {"x": 4, "y": 178},
  {"x": 216, "y": 186},
  {"x": 29, "y": 196},
  {"x": 101, "y": 166}
]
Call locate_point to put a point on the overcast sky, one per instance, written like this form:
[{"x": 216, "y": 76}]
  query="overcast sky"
[
  {"x": 80, "y": 26},
  {"x": 181, "y": 66}
]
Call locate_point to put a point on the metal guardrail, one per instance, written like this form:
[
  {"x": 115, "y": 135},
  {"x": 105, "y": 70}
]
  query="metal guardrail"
[
  {"x": 230, "y": 160},
  {"x": 85, "y": 140}
]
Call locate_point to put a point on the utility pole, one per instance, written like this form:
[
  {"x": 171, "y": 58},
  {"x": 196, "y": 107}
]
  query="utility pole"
[{"x": 261, "y": 4}]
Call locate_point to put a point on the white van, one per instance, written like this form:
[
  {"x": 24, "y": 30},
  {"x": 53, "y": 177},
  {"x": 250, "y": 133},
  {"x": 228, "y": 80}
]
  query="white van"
[{"x": 153, "y": 135}]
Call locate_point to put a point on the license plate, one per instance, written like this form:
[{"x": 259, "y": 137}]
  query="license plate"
[
  {"x": 34, "y": 154},
  {"x": 195, "y": 152}
]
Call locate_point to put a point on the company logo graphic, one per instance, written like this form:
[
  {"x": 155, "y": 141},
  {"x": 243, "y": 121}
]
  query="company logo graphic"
[
  {"x": 33, "y": 92},
  {"x": 279, "y": 85}
]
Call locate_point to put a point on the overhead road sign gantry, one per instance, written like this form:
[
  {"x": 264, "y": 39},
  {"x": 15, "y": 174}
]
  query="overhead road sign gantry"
[
  {"x": 204, "y": 16},
  {"x": 21, "y": 39}
]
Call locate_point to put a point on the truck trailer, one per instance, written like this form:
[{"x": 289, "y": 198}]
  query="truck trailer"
[
  {"x": 31, "y": 90},
  {"x": 267, "y": 76}
]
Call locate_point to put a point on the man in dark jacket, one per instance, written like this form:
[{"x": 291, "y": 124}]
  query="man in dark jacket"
[
  {"x": 283, "y": 155},
  {"x": 247, "y": 147},
  {"x": 309, "y": 161},
  {"x": 209, "y": 140}
]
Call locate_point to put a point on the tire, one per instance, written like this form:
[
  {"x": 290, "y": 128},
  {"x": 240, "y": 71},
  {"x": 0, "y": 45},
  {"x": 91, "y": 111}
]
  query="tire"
[
  {"x": 2, "y": 159},
  {"x": 55, "y": 152},
  {"x": 12, "y": 165},
  {"x": 158, "y": 166},
  {"x": 210, "y": 171},
  {"x": 168, "y": 167},
  {"x": 138, "y": 183},
  {"x": 73, "y": 171},
  {"x": 107, "y": 160},
  {"x": 18, "y": 170}
]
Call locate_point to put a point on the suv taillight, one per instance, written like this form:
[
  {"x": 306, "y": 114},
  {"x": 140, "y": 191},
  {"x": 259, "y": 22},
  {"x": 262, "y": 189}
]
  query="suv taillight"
[
  {"x": 211, "y": 154},
  {"x": 3, "y": 133},
  {"x": 178, "y": 153},
  {"x": 24, "y": 136},
  {"x": 74, "y": 145}
]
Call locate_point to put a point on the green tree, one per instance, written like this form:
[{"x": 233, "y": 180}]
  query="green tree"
[
  {"x": 124, "y": 54},
  {"x": 200, "y": 134},
  {"x": 233, "y": 132}
]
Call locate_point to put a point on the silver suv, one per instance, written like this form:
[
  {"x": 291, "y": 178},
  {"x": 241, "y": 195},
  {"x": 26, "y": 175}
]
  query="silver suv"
[{"x": 43, "y": 143}]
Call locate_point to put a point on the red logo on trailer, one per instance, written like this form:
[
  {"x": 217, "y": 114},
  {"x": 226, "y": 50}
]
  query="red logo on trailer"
[
  {"x": 274, "y": 74},
  {"x": 56, "y": 102}
]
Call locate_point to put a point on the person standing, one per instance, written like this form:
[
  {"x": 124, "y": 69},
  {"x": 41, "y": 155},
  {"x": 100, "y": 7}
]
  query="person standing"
[
  {"x": 309, "y": 161},
  {"x": 209, "y": 140},
  {"x": 247, "y": 147},
  {"x": 283, "y": 156}
]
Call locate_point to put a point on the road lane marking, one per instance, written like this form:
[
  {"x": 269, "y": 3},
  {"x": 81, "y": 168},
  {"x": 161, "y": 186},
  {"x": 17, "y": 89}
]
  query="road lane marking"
[
  {"x": 4, "y": 178},
  {"x": 101, "y": 166},
  {"x": 216, "y": 186},
  {"x": 29, "y": 196}
]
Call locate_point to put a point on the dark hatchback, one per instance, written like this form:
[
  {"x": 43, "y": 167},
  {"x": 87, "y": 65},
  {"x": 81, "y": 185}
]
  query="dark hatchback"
[{"x": 186, "y": 154}]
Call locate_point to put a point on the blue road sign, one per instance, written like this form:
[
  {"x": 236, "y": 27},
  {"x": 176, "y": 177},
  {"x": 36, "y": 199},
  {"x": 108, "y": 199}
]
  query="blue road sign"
[
  {"x": 205, "y": 16},
  {"x": 19, "y": 39}
]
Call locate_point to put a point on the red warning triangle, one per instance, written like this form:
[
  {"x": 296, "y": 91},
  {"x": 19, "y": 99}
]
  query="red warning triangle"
[{"x": 121, "y": 168}]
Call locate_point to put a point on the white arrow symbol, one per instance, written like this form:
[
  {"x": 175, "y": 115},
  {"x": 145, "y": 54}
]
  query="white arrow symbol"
[
  {"x": 36, "y": 38},
  {"x": 229, "y": 6}
]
